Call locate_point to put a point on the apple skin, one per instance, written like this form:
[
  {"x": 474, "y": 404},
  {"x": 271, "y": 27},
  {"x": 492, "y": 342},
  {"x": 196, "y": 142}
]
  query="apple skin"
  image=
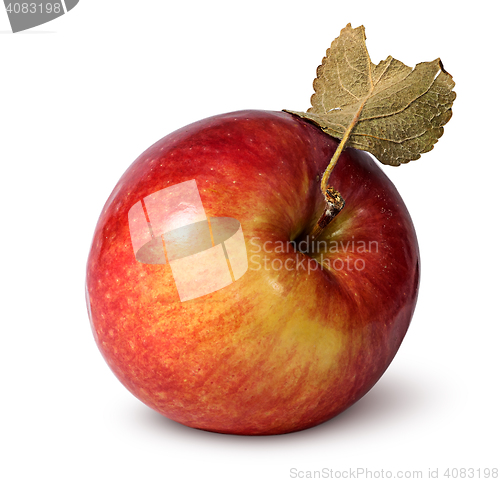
[{"x": 278, "y": 350}]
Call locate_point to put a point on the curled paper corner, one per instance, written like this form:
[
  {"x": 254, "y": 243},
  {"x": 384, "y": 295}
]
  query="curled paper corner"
[{"x": 26, "y": 15}]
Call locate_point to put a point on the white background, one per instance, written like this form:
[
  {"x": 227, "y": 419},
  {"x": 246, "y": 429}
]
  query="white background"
[{"x": 84, "y": 95}]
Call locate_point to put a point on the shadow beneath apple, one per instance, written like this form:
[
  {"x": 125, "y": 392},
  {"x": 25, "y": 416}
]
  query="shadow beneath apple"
[{"x": 391, "y": 400}]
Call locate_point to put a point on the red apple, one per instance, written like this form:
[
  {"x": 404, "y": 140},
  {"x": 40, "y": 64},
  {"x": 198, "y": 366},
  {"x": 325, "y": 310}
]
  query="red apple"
[{"x": 248, "y": 334}]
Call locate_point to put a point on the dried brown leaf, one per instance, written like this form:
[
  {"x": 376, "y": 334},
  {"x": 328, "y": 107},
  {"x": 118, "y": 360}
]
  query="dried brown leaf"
[{"x": 390, "y": 110}]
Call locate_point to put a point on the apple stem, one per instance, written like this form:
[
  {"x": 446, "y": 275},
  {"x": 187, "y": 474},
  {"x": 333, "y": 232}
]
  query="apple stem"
[
  {"x": 334, "y": 201},
  {"x": 338, "y": 151},
  {"x": 334, "y": 204}
]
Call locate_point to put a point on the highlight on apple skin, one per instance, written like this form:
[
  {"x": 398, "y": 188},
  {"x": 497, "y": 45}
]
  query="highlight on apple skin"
[{"x": 245, "y": 325}]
